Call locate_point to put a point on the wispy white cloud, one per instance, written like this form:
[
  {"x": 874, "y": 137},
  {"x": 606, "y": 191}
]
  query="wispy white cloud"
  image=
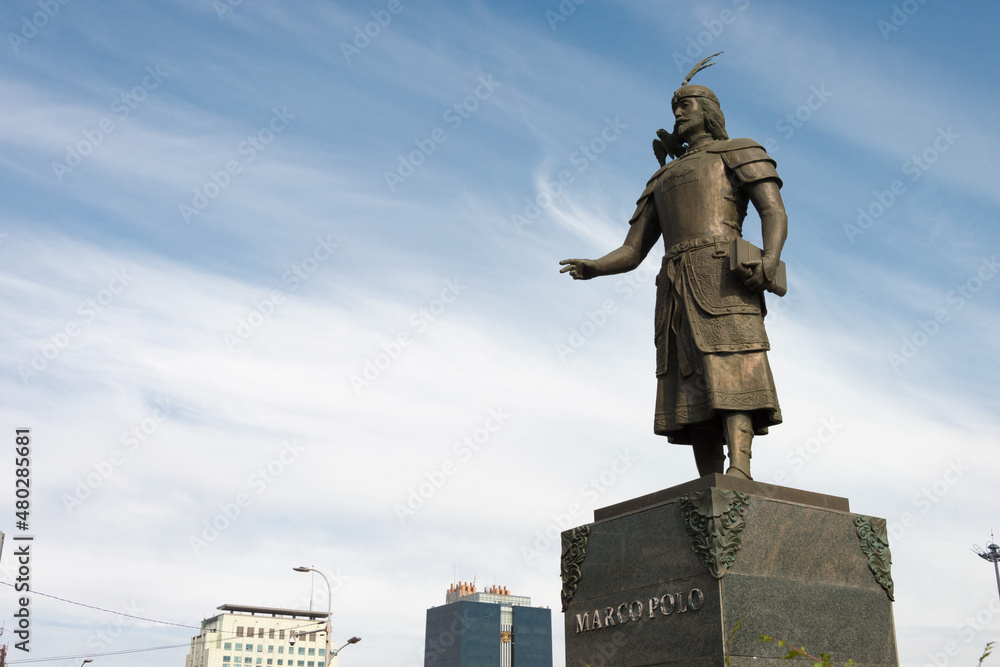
[{"x": 198, "y": 327}]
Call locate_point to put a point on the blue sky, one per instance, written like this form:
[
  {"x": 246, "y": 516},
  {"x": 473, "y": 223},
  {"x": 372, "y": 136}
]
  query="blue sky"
[{"x": 243, "y": 262}]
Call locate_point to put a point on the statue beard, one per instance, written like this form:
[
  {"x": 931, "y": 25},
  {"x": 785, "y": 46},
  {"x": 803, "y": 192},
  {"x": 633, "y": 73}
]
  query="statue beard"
[{"x": 678, "y": 133}]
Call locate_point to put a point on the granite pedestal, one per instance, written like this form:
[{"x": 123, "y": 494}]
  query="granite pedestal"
[{"x": 663, "y": 579}]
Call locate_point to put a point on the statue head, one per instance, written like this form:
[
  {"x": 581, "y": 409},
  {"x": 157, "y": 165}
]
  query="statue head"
[
  {"x": 693, "y": 91},
  {"x": 707, "y": 109},
  {"x": 708, "y": 104}
]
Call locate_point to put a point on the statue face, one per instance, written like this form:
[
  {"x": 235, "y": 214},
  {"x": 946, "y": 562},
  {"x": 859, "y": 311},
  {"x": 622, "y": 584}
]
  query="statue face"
[{"x": 689, "y": 120}]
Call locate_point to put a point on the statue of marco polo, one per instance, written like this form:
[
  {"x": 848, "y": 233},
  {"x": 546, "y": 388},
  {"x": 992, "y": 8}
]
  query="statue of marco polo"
[{"x": 714, "y": 384}]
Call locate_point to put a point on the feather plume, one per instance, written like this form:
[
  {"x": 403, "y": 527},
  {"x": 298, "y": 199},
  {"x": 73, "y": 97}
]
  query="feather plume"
[{"x": 700, "y": 66}]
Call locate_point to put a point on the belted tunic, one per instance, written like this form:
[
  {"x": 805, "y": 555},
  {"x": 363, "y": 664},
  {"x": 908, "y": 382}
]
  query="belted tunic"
[{"x": 709, "y": 327}]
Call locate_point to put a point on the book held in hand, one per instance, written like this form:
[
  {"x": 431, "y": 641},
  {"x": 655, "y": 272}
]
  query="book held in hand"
[{"x": 742, "y": 251}]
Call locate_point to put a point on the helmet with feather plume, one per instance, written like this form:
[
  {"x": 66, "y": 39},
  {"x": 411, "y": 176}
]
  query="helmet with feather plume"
[
  {"x": 695, "y": 91},
  {"x": 668, "y": 145}
]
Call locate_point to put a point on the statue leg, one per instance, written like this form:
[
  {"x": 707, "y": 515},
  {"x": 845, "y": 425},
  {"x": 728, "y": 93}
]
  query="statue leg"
[
  {"x": 739, "y": 436},
  {"x": 707, "y": 445}
]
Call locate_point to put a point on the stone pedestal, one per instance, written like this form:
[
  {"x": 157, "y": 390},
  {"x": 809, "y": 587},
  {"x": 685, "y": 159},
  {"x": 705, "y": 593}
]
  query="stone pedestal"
[{"x": 663, "y": 579}]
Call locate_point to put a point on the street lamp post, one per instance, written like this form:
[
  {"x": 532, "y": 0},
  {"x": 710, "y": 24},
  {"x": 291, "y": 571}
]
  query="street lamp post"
[
  {"x": 352, "y": 640},
  {"x": 329, "y": 609},
  {"x": 992, "y": 554}
]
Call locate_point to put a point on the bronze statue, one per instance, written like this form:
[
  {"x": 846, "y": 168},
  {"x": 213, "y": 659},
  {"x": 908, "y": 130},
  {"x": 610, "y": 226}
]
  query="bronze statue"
[{"x": 714, "y": 384}]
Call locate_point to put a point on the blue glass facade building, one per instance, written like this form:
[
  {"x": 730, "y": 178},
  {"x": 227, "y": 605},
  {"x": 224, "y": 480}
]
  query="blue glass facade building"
[{"x": 486, "y": 629}]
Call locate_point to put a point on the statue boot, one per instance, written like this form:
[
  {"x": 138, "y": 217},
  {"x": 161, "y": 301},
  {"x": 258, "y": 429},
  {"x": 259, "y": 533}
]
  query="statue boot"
[
  {"x": 707, "y": 446},
  {"x": 739, "y": 437}
]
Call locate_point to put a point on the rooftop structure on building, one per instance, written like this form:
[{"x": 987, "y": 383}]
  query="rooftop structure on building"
[
  {"x": 495, "y": 594},
  {"x": 484, "y": 628},
  {"x": 247, "y": 636}
]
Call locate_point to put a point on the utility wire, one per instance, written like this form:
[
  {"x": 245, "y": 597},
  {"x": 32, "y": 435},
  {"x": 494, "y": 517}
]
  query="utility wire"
[
  {"x": 101, "y": 655},
  {"x": 119, "y": 613},
  {"x": 110, "y": 611},
  {"x": 140, "y": 618},
  {"x": 97, "y": 655}
]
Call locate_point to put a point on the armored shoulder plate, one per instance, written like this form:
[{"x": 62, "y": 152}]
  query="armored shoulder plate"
[
  {"x": 640, "y": 204},
  {"x": 729, "y": 145},
  {"x": 747, "y": 158}
]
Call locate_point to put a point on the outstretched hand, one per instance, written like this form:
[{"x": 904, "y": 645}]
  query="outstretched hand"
[{"x": 579, "y": 269}]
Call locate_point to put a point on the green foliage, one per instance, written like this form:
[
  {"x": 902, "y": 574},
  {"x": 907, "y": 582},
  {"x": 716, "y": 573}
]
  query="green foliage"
[
  {"x": 986, "y": 652},
  {"x": 732, "y": 636},
  {"x": 824, "y": 659}
]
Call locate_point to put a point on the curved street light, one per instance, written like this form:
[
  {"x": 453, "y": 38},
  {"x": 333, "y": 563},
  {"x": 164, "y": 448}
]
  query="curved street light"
[
  {"x": 352, "y": 640},
  {"x": 329, "y": 609}
]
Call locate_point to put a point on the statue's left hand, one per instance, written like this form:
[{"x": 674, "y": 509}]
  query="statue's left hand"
[{"x": 755, "y": 273}]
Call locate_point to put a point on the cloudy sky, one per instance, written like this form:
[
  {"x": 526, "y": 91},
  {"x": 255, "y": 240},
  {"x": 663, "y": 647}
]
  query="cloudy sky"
[{"x": 280, "y": 287}]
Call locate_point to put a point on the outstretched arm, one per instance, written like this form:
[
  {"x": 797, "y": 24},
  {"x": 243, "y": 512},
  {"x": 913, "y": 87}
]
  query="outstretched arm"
[
  {"x": 766, "y": 198},
  {"x": 641, "y": 238}
]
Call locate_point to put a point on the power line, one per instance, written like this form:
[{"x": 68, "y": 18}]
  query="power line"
[
  {"x": 98, "y": 655},
  {"x": 110, "y": 611},
  {"x": 139, "y": 618},
  {"x": 119, "y": 613}
]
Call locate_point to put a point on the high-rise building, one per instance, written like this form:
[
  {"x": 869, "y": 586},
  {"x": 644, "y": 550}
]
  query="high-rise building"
[
  {"x": 492, "y": 627},
  {"x": 245, "y": 636}
]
